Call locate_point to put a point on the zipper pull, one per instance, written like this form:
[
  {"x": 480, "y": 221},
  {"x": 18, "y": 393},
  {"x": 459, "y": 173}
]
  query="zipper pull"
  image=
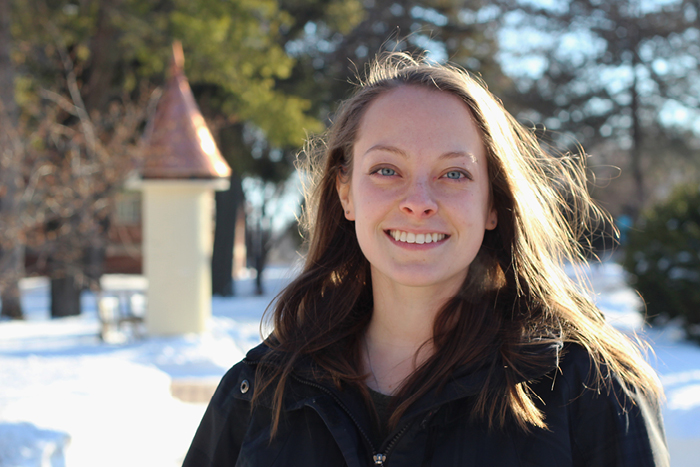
[{"x": 379, "y": 459}]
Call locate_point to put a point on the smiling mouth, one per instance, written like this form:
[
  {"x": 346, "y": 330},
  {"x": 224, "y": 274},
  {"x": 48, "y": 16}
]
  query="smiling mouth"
[{"x": 410, "y": 237}]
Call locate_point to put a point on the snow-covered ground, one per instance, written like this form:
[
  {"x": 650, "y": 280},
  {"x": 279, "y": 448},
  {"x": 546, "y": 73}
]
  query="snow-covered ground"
[{"x": 68, "y": 399}]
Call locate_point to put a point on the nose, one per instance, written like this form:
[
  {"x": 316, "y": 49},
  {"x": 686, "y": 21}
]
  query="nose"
[{"x": 419, "y": 200}]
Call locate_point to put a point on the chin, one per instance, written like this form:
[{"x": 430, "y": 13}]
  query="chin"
[
  {"x": 412, "y": 277},
  {"x": 429, "y": 283}
]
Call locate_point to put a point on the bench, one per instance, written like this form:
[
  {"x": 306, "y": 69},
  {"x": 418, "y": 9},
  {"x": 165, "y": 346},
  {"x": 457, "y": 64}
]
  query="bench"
[{"x": 120, "y": 311}]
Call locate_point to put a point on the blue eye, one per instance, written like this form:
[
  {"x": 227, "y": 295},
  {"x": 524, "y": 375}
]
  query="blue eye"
[
  {"x": 386, "y": 171},
  {"x": 454, "y": 174}
]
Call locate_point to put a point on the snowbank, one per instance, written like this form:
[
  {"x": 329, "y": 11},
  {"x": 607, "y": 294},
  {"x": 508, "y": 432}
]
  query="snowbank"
[
  {"x": 68, "y": 399},
  {"x": 25, "y": 444}
]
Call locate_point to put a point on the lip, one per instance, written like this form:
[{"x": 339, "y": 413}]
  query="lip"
[{"x": 414, "y": 245}]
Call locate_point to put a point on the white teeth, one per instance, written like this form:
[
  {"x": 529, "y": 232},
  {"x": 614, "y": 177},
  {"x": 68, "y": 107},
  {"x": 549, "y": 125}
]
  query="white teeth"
[{"x": 410, "y": 237}]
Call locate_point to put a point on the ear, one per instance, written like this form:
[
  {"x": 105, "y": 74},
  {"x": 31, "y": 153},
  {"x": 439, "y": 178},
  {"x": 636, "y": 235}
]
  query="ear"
[
  {"x": 345, "y": 195},
  {"x": 491, "y": 219}
]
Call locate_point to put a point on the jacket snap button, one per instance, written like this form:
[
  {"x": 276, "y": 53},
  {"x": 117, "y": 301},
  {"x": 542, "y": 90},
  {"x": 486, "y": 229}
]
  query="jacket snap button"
[{"x": 244, "y": 386}]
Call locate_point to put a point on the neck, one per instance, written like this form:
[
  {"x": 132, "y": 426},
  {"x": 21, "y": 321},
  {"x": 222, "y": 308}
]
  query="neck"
[{"x": 399, "y": 335}]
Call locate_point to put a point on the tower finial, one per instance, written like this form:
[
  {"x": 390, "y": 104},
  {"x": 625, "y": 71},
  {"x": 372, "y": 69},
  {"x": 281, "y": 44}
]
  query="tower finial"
[{"x": 177, "y": 62}]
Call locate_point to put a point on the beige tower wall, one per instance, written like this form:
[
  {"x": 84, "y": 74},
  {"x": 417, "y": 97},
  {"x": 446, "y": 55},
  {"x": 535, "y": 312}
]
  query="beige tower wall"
[{"x": 177, "y": 243}]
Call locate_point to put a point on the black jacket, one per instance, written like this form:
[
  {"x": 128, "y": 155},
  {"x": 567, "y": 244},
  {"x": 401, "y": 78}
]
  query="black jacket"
[{"x": 322, "y": 426}]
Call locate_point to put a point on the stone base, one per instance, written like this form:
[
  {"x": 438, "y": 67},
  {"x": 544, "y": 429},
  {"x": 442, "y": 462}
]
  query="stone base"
[{"x": 194, "y": 391}]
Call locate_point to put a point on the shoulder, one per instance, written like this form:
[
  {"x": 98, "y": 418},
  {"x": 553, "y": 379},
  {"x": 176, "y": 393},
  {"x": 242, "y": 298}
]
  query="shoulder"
[
  {"x": 222, "y": 429},
  {"x": 609, "y": 423},
  {"x": 235, "y": 385},
  {"x": 577, "y": 368},
  {"x": 238, "y": 384},
  {"x": 581, "y": 382}
]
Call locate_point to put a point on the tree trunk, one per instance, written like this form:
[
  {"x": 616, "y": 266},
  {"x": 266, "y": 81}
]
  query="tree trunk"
[
  {"x": 11, "y": 303},
  {"x": 13, "y": 249},
  {"x": 65, "y": 289},
  {"x": 637, "y": 141},
  {"x": 258, "y": 256},
  {"x": 103, "y": 56},
  {"x": 7, "y": 70},
  {"x": 94, "y": 261},
  {"x": 259, "y": 268},
  {"x": 261, "y": 242},
  {"x": 65, "y": 297},
  {"x": 227, "y": 205}
]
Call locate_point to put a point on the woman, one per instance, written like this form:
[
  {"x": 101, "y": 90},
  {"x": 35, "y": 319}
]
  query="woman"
[{"x": 432, "y": 323}]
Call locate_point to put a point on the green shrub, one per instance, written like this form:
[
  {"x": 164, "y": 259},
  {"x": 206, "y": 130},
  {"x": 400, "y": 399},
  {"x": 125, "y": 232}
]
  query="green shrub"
[{"x": 663, "y": 256}]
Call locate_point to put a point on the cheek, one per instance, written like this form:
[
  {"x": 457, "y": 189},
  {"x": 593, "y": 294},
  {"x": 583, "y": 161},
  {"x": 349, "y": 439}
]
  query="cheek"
[
  {"x": 368, "y": 197},
  {"x": 470, "y": 210},
  {"x": 372, "y": 207}
]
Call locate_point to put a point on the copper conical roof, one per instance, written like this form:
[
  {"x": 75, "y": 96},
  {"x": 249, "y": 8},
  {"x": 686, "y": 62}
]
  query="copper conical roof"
[{"x": 180, "y": 145}]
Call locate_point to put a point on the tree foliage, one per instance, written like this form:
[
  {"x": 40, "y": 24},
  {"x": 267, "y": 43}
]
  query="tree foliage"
[
  {"x": 231, "y": 48},
  {"x": 663, "y": 256},
  {"x": 88, "y": 61},
  {"x": 619, "y": 76},
  {"x": 332, "y": 41}
]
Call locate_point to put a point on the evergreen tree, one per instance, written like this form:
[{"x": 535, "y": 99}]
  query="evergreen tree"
[
  {"x": 621, "y": 77},
  {"x": 11, "y": 248}
]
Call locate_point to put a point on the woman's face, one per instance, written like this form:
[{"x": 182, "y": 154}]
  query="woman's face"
[{"x": 419, "y": 189}]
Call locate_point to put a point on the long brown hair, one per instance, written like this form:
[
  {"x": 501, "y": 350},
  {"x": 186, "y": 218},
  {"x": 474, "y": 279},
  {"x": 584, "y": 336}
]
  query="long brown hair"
[{"x": 515, "y": 296}]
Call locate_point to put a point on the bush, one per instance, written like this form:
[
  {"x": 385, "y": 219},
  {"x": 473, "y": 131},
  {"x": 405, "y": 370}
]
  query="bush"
[{"x": 663, "y": 256}]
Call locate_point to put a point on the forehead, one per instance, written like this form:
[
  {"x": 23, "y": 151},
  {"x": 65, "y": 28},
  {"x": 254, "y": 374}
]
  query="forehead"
[{"x": 419, "y": 119}]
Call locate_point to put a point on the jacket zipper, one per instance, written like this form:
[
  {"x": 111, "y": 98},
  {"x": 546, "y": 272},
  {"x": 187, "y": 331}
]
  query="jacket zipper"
[
  {"x": 380, "y": 458},
  {"x": 377, "y": 458}
]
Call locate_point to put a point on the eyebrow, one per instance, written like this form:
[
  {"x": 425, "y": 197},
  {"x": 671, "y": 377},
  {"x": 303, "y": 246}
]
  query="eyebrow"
[{"x": 400, "y": 152}]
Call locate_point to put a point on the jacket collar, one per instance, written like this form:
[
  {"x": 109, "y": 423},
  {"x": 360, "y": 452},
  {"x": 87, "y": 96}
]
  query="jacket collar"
[
  {"x": 469, "y": 381},
  {"x": 466, "y": 381}
]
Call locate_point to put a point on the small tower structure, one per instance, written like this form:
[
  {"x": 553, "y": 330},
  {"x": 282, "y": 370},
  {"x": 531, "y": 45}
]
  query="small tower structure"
[{"x": 182, "y": 168}]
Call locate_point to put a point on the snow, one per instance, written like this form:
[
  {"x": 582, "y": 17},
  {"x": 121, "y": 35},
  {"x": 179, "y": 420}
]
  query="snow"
[{"x": 69, "y": 399}]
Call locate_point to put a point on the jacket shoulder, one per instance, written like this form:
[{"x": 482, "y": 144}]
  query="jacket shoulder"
[
  {"x": 222, "y": 429},
  {"x": 609, "y": 423}
]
